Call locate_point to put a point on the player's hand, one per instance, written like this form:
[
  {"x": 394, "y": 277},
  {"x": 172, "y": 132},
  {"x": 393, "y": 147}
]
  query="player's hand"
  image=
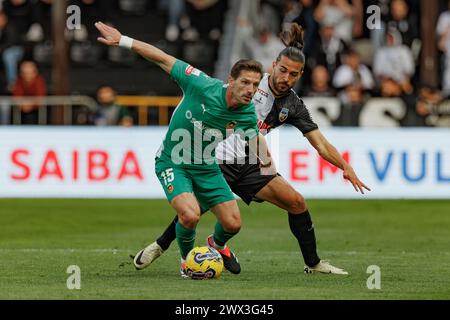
[
  {"x": 350, "y": 175},
  {"x": 110, "y": 36}
]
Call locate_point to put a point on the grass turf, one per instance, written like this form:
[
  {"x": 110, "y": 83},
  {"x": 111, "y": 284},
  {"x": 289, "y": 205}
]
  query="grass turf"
[{"x": 40, "y": 239}]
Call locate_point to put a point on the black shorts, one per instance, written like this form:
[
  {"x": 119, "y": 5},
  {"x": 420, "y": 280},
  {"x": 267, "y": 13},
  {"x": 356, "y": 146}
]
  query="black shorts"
[{"x": 245, "y": 180}]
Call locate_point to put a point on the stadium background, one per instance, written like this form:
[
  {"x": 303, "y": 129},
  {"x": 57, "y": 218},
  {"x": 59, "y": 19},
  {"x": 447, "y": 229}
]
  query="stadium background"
[{"x": 98, "y": 114}]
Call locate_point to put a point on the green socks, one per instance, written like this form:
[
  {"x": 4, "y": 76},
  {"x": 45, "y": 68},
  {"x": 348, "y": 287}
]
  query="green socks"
[
  {"x": 185, "y": 239},
  {"x": 221, "y": 236}
]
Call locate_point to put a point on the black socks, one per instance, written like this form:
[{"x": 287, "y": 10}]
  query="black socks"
[
  {"x": 168, "y": 235},
  {"x": 303, "y": 229}
]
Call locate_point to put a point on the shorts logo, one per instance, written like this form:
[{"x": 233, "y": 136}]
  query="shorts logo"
[
  {"x": 170, "y": 188},
  {"x": 283, "y": 114},
  {"x": 191, "y": 70},
  {"x": 231, "y": 125}
]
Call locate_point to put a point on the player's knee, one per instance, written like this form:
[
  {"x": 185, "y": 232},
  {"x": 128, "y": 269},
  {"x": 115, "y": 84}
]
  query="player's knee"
[
  {"x": 189, "y": 218},
  {"x": 232, "y": 223},
  {"x": 297, "y": 204}
]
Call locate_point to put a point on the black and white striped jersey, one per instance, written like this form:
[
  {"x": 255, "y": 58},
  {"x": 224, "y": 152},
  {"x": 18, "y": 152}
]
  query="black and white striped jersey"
[{"x": 271, "y": 113}]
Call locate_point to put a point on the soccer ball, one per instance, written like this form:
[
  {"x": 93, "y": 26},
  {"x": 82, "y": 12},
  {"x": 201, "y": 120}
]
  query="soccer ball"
[{"x": 204, "y": 263}]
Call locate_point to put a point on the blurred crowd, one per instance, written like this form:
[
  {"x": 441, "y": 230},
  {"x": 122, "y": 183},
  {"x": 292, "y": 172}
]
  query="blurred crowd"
[
  {"x": 345, "y": 58},
  {"x": 26, "y": 46},
  {"x": 349, "y": 60}
]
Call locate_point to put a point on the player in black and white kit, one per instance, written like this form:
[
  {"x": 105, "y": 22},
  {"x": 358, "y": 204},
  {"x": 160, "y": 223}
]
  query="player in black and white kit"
[{"x": 276, "y": 104}]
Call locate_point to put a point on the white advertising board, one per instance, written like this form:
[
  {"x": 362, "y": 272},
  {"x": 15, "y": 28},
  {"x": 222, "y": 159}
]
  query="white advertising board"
[{"x": 119, "y": 163}]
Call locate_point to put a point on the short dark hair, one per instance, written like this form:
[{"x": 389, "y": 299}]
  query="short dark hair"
[
  {"x": 246, "y": 65},
  {"x": 293, "y": 40}
]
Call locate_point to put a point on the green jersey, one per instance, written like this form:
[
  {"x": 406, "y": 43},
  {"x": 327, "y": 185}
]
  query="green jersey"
[{"x": 202, "y": 119}]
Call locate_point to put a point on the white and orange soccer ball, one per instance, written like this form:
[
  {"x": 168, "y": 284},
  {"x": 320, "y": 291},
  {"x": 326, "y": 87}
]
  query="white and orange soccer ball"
[{"x": 204, "y": 263}]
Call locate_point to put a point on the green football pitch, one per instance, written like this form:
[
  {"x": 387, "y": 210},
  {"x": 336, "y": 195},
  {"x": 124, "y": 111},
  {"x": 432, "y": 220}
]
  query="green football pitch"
[{"x": 408, "y": 240}]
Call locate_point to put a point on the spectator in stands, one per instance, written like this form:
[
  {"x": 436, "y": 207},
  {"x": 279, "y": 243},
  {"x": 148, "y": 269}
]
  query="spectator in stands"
[
  {"x": 405, "y": 22},
  {"x": 443, "y": 33},
  {"x": 390, "y": 88},
  {"x": 20, "y": 14},
  {"x": 320, "y": 83},
  {"x": 426, "y": 105},
  {"x": 108, "y": 112},
  {"x": 290, "y": 10},
  {"x": 327, "y": 49},
  {"x": 432, "y": 108},
  {"x": 395, "y": 61},
  {"x": 175, "y": 11},
  {"x": 354, "y": 79},
  {"x": 29, "y": 84},
  {"x": 359, "y": 23},
  {"x": 5, "y": 32},
  {"x": 264, "y": 48},
  {"x": 82, "y": 116},
  {"x": 5, "y": 109},
  {"x": 352, "y": 72},
  {"x": 19, "y": 18},
  {"x": 206, "y": 19},
  {"x": 306, "y": 19},
  {"x": 270, "y": 14},
  {"x": 338, "y": 14},
  {"x": 41, "y": 29}
]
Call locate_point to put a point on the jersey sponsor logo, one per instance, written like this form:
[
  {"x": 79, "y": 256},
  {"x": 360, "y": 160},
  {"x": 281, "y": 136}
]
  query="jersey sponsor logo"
[
  {"x": 262, "y": 92},
  {"x": 190, "y": 70},
  {"x": 263, "y": 127},
  {"x": 284, "y": 113}
]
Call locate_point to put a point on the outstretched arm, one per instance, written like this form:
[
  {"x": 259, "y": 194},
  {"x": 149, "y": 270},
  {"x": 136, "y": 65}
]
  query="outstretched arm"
[
  {"x": 328, "y": 152},
  {"x": 112, "y": 37}
]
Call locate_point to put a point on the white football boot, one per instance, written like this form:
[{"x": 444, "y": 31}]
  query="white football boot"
[
  {"x": 324, "y": 267},
  {"x": 147, "y": 255}
]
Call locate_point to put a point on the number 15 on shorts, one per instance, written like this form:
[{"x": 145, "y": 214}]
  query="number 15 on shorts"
[{"x": 168, "y": 176}]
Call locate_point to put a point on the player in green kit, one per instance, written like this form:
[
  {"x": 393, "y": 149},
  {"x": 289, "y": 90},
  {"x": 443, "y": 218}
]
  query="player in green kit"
[{"x": 185, "y": 164}]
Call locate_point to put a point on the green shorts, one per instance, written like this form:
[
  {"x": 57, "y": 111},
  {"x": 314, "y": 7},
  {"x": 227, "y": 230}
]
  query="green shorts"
[{"x": 206, "y": 182}]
